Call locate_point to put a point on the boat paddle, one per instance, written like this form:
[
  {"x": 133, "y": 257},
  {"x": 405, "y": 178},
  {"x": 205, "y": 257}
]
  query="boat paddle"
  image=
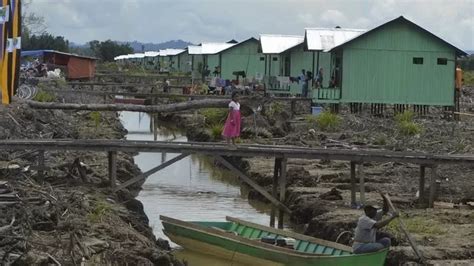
[{"x": 404, "y": 230}]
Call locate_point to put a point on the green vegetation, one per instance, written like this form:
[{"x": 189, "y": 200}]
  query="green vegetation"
[
  {"x": 417, "y": 225},
  {"x": 468, "y": 78},
  {"x": 44, "y": 96},
  {"x": 275, "y": 109},
  {"x": 406, "y": 125},
  {"x": 216, "y": 131},
  {"x": 96, "y": 117},
  {"x": 214, "y": 116},
  {"x": 100, "y": 210},
  {"x": 108, "y": 50},
  {"x": 326, "y": 121}
]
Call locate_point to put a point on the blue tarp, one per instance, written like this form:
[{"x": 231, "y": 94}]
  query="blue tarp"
[{"x": 35, "y": 53}]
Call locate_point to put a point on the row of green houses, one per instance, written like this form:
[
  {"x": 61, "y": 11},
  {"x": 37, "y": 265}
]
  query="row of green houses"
[{"x": 397, "y": 62}]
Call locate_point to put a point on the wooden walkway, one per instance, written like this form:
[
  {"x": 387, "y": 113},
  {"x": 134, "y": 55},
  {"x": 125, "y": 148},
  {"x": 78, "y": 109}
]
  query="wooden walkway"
[{"x": 222, "y": 151}]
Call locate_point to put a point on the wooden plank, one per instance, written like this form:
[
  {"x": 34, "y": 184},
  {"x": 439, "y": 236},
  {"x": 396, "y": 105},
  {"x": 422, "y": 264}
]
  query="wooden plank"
[
  {"x": 282, "y": 183},
  {"x": 353, "y": 184},
  {"x": 151, "y": 171},
  {"x": 251, "y": 183},
  {"x": 421, "y": 185},
  {"x": 243, "y": 150},
  {"x": 112, "y": 156}
]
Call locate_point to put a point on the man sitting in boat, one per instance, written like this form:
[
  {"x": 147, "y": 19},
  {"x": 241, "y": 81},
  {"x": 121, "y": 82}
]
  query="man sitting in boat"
[{"x": 365, "y": 240}]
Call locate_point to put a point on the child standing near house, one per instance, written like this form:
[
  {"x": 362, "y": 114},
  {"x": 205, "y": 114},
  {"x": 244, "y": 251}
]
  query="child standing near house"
[{"x": 232, "y": 124}]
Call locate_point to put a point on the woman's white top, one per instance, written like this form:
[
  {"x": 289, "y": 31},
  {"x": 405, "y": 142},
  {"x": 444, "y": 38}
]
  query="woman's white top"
[{"x": 235, "y": 106}]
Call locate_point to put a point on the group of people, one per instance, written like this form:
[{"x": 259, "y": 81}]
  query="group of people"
[{"x": 306, "y": 78}]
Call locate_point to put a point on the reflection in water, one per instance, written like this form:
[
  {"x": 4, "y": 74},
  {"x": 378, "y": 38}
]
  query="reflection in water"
[{"x": 190, "y": 189}]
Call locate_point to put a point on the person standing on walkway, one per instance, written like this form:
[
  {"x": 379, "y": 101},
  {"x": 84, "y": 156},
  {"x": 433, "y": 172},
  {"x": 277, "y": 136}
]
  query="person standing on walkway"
[
  {"x": 303, "y": 79},
  {"x": 232, "y": 124}
]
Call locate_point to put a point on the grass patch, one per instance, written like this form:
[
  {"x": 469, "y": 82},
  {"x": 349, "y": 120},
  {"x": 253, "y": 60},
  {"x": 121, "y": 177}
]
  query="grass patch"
[
  {"x": 274, "y": 109},
  {"x": 406, "y": 125},
  {"x": 406, "y": 116},
  {"x": 96, "y": 117},
  {"x": 216, "y": 131},
  {"x": 326, "y": 121},
  {"x": 380, "y": 140},
  {"x": 409, "y": 128},
  {"x": 100, "y": 210},
  {"x": 214, "y": 116},
  {"x": 43, "y": 96},
  {"x": 417, "y": 225}
]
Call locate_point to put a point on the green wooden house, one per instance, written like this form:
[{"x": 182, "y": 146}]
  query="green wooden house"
[
  {"x": 243, "y": 56},
  {"x": 184, "y": 62},
  {"x": 278, "y": 51},
  {"x": 207, "y": 55},
  {"x": 397, "y": 62},
  {"x": 318, "y": 42}
]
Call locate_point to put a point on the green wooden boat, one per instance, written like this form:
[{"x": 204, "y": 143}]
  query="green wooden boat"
[{"x": 240, "y": 241}]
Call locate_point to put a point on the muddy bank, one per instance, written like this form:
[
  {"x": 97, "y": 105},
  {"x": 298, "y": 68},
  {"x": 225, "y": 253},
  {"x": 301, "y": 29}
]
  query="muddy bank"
[
  {"x": 319, "y": 191},
  {"x": 68, "y": 213}
]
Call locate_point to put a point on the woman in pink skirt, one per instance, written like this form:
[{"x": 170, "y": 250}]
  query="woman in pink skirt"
[{"x": 232, "y": 124}]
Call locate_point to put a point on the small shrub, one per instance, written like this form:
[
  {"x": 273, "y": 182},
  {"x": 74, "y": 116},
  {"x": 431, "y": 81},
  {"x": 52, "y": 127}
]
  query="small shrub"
[
  {"x": 101, "y": 209},
  {"x": 274, "y": 109},
  {"x": 326, "y": 121},
  {"x": 216, "y": 131},
  {"x": 96, "y": 117},
  {"x": 214, "y": 116},
  {"x": 469, "y": 78},
  {"x": 44, "y": 96},
  {"x": 406, "y": 116},
  {"x": 409, "y": 128}
]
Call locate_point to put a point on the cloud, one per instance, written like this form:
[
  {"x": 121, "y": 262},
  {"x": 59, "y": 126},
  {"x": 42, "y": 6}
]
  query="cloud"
[{"x": 221, "y": 20}]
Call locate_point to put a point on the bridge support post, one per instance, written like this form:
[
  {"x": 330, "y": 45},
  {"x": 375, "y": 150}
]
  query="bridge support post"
[
  {"x": 276, "y": 170},
  {"x": 421, "y": 186},
  {"x": 112, "y": 156},
  {"x": 434, "y": 176},
  {"x": 361, "y": 184},
  {"x": 353, "y": 184},
  {"x": 282, "y": 190}
]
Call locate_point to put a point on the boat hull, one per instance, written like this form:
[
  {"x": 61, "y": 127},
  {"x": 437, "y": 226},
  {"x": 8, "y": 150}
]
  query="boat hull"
[{"x": 244, "y": 253}]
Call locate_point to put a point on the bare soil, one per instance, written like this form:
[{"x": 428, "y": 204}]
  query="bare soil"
[{"x": 69, "y": 215}]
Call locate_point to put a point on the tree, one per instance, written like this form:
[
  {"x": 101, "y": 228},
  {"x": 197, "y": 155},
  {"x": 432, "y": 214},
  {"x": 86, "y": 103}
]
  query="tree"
[
  {"x": 45, "y": 41},
  {"x": 31, "y": 23},
  {"x": 108, "y": 50}
]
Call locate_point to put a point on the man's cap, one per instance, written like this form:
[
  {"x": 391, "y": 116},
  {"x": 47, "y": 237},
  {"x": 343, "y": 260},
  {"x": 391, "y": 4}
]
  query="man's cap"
[{"x": 369, "y": 207}]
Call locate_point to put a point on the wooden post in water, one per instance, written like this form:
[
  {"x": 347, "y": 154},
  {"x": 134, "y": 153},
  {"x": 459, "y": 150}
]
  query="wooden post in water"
[
  {"x": 276, "y": 169},
  {"x": 421, "y": 188},
  {"x": 112, "y": 168},
  {"x": 41, "y": 164},
  {"x": 434, "y": 175},
  {"x": 282, "y": 190},
  {"x": 353, "y": 184}
]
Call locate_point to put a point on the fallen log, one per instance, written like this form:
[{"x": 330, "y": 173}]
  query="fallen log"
[{"x": 166, "y": 108}]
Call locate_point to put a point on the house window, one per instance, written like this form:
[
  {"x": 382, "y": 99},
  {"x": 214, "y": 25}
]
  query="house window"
[
  {"x": 262, "y": 58},
  {"x": 275, "y": 59},
  {"x": 442, "y": 61},
  {"x": 418, "y": 60}
]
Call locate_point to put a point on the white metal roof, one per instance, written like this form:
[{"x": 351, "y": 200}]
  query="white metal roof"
[
  {"x": 276, "y": 44},
  {"x": 152, "y": 54},
  {"x": 167, "y": 52},
  {"x": 209, "y": 48},
  {"x": 324, "y": 39}
]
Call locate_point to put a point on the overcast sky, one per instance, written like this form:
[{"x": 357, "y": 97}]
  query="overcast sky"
[{"x": 221, "y": 20}]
